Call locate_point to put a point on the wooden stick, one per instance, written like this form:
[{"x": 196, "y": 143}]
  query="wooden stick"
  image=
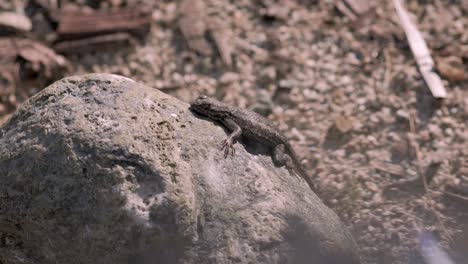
[
  {"x": 74, "y": 25},
  {"x": 457, "y": 196},
  {"x": 91, "y": 43},
  {"x": 421, "y": 52},
  {"x": 417, "y": 151}
]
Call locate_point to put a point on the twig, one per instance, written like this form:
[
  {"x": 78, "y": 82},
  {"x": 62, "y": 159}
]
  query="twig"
[
  {"x": 417, "y": 151},
  {"x": 454, "y": 195},
  {"x": 411, "y": 180},
  {"x": 387, "y": 78},
  {"x": 414, "y": 144},
  {"x": 91, "y": 43},
  {"x": 388, "y": 168},
  {"x": 420, "y": 51}
]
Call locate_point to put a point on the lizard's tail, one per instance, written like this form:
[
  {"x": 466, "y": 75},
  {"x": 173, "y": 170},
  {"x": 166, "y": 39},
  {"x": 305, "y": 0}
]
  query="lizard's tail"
[{"x": 299, "y": 171}]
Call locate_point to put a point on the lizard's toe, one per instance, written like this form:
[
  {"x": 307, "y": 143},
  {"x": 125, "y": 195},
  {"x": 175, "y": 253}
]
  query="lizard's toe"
[
  {"x": 233, "y": 150},
  {"x": 227, "y": 147}
]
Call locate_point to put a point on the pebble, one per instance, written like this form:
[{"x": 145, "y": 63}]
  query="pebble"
[
  {"x": 229, "y": 77},
  {"x": 14, "y": 21}
]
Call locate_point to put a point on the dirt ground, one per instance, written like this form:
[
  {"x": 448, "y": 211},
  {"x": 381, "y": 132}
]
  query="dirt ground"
[{"x": 346, "y": 92}]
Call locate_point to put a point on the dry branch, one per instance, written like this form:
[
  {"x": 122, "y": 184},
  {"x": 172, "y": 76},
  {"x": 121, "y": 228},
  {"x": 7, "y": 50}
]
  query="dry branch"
[
  {"x": 91, "y": 43},
  {"x": 78, "y": 25},
  {"x": 420, "y": 51}
]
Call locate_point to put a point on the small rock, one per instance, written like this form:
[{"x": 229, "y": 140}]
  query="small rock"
[
  {"x": 261, "y": 108},
  {"x": 15, "y": 22},
  {"x": 448, "y": 132},
  {"x": 399, "y": 150},
  {"x": 344, "y": 123},
  {"x": 311, "y": 95},
  {"x": 372, "y": 186},
  {"x": 424, "y": 135},
  {"x": 229, "y": 77},
  {"x": 268, "y": 73},
  {"x": 435, "y": 130},
  {"x": 273, "y": 12},
  {"x": 451, "y": 68},
  {"x": 287, "y": 84},
  {"x": 402, "y": 114},
  {"x": 115, "y": 3}
]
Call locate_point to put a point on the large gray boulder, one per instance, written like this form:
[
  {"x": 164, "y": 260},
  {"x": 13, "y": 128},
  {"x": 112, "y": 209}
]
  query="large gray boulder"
[{"x": 101, "y": 169}]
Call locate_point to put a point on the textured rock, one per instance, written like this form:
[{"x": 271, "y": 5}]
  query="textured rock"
[{"x": 101, "y": 169}]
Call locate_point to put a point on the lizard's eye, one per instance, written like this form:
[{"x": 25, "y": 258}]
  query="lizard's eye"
[{"x": 202, "y": 97}]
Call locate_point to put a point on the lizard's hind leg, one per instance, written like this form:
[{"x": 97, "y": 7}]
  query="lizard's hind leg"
[{"x": 280, "y": 158}]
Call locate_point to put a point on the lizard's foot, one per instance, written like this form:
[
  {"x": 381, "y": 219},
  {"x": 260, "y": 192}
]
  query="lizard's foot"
[{"x": 228, "y": 147}]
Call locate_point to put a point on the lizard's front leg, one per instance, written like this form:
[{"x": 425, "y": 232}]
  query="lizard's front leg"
[{"x": 228, "y": 144}]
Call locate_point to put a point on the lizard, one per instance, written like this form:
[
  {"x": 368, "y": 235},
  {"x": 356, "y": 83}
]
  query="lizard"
[{"x": 243, "y": 123}]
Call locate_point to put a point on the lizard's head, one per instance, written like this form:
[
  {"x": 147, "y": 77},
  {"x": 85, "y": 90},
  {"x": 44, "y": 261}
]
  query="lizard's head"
[{"x": 209, "y": 107}]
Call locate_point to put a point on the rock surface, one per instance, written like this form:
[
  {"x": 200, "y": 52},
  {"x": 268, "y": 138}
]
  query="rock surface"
[{"x": 101, "y": 169}]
